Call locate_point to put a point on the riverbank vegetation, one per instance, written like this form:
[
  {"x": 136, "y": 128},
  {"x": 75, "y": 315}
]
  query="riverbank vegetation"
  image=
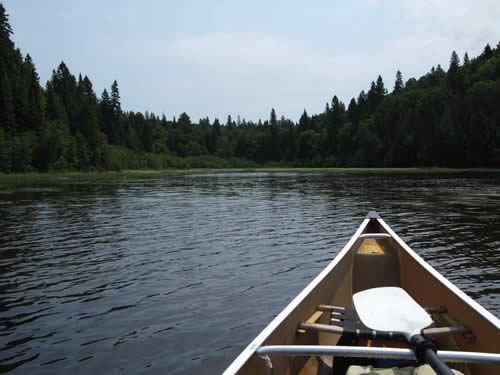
[{"x": 445, "y": 118}]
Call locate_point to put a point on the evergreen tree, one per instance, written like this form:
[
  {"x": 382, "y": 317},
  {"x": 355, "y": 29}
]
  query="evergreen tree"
[
  {"x": 380, "y": 88},
  {"x": 214, "y": 136},
  {"x": 229, "y": 122},
  {"x": 184, "y": 123},
  {"x": 334, "y": 123},
  {"x": 304, "y": 122},
  {"x": 454, "y": 78},
  {"x": 398, "y": 84},
  {"x": 454, "y": 63},
  {"x": 108, "y": 117},
  {"x": 87, "y": 91},
  {"x": 7, "y": 115},
  {"x": 273, "y": 121},
  {"x": 372, "y": 97},
  {"x": 32, "y": 90},
  {"x": 466, "y": 59},
  {"x": 353, "y": 111},
  {"x": 115, "y": 100},
  {"x": 363, "y": 107},
  {"x": 64, "y": 85},
  {"x": 487, "y": 52},
  {"x": 6, "y": 44},
  {"x": 274, "y": 152}
]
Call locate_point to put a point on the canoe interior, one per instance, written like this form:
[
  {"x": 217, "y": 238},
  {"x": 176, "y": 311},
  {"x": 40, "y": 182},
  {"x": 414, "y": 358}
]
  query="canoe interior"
[{"x": 369, "y": 263}]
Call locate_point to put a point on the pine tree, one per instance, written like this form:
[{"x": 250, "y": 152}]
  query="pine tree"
[
  {"x": 353, "y": 111},
  {"x": 6, "y": 45},
  {"x": 107, "y": 117},
  {"x": 487, "y": 52},
  {"x": 380, "y": 88},
  {"x": 87, "y": 91},
  {"x": 64, "y": 85},
  {"x": 454, "y": 63},
  {"x": 115, "y": 99},
  {"x": 214, "y": 137},
  {"x": 273, "y": 119},
  {"x": 274, "y": 153},
  {"x": 7, "y": 115},
  {"x": 466, "y": 59},
  {"x": 453, "y": 78},
  {"x": 184, "y": 123},
  {"x": 398, "y": 84},
  {"x": 334, "y": 123},
  {"x": 304, "y": 122},
  {"x": 372, "y": 97},
  {"x": 229, "y": 122},
  {"x": 32, "y": 90}
]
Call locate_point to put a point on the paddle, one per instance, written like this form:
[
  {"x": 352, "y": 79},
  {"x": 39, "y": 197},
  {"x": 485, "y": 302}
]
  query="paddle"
[{"x": 392, "y": 309}]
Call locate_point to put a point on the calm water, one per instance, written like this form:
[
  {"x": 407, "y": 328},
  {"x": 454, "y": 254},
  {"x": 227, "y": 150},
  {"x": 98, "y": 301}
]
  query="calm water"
[{"x": 176, "y": 274}]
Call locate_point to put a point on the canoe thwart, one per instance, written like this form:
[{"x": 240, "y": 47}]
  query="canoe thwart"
[
  {"x": 329, "y": 307},
  {"x": 440, "y": 313},
  {"x": 372, "y": 334},
  {"x": 312, "y": 319},
  {"x": 304, "y": 326},
  {"x": 346, "y": 321}
]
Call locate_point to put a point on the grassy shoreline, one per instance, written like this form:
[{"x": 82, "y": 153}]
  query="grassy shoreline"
[{"x": 65, "y": 177}]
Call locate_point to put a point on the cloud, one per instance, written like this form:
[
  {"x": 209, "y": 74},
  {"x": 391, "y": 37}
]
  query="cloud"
[
  {"x": 459, "y": 24},
  {"x": 243, "y": 48},
  {"x": 258, "y": 51}
]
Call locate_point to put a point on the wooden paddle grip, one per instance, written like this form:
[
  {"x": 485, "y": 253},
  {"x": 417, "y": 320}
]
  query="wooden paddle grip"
[{"x": 426, "y": 351}]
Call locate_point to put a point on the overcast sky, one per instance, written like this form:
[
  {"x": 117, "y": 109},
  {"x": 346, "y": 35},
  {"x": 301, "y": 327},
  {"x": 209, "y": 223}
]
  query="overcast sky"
[{"x": 214, "y": 58}]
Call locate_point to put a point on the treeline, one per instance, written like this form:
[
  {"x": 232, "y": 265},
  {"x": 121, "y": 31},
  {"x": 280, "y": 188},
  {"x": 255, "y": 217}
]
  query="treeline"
[{"x": 442, "y": 119}]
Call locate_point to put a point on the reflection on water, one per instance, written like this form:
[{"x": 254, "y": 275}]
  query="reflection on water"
[{"x": 176, "y": 274}]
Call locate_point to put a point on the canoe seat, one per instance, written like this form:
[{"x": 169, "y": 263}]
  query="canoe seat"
[{"x": 348, "y": 320}]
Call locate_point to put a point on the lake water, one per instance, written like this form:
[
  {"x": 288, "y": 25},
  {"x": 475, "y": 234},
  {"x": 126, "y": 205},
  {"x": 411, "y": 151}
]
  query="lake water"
[{"x": 176, "y": 274}]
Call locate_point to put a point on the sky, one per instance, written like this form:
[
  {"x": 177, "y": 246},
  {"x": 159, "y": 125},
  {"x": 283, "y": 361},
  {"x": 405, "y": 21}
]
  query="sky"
[{"x": 243, "y": 58}]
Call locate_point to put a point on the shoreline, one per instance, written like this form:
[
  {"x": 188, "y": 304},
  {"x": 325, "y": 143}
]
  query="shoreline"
[{"x": 40, "y": 177}]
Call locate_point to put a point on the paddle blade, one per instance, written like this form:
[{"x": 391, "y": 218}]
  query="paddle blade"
[{"x": 391, "y": 309}]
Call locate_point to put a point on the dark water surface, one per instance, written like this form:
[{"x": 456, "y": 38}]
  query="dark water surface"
[{"x": 175, "y": 274}]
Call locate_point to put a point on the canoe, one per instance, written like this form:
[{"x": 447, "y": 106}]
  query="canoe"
[{"x": 320, "y": 332}]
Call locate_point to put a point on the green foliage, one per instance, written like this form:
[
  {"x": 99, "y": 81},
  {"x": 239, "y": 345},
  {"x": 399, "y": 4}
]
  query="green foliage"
[
  {"x": 119, "y": 158},
  {"x": 369, "y": 144},
  {"x": 193, "y": 148},
  {"x": 308, "y": 143}
]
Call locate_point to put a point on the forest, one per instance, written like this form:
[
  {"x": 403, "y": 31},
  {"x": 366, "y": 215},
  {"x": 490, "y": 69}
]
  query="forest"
[{"x": 445, "y": 118}]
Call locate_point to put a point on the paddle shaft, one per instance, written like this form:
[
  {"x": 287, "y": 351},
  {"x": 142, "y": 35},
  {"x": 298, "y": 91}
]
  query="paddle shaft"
[{"x": 425, "y": 351}]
